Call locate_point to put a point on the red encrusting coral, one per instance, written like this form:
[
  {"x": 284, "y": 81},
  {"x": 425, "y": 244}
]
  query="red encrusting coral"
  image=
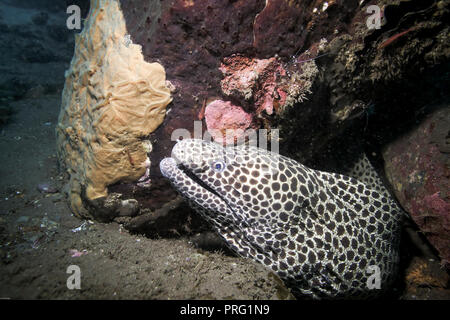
[
  {"x": 253, "y": 80},
  {"x": 265, "y": 85},
  {"x": 227, "y": 123}
]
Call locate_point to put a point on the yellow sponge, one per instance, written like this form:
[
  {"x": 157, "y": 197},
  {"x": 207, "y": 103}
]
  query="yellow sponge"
[{"x": 112, "y": 100}]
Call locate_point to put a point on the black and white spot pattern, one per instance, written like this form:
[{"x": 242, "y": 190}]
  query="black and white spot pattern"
[{"x": 318, "y": 231}]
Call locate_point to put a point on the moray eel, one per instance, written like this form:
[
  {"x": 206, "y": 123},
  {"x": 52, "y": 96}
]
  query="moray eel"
[{"x": 326, "y": 235}]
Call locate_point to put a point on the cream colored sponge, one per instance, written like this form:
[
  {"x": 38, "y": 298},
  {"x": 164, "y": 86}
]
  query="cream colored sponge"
[{"x": 112, "y": 100}]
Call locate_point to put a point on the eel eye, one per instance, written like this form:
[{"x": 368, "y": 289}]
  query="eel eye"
[{"x": 218, "y": 166}]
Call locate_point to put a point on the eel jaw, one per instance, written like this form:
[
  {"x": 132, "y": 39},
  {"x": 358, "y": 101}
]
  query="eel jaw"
[
  {"x": 167, "y": 167},
  {"x": 171, "y": 168}
]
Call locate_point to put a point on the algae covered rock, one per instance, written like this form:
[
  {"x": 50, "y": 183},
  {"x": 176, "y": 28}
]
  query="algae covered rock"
[
  {"x": 112, "y": 101},
  {"x": 417, "y": 166}
]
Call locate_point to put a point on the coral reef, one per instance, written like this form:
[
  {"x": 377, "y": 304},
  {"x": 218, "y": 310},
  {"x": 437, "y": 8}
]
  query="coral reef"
[
  {"x": 312, "y": 69},
  {"x": 112, "y": 101},
  {"x": 417, "y": 166},
  {"x": 192, "y": 39}
]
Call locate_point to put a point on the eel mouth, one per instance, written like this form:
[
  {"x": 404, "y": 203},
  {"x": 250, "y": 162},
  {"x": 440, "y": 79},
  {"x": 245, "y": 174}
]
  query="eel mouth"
[
  {"x": 199, "y": 181},
  {"x": 202, "y": 184}
]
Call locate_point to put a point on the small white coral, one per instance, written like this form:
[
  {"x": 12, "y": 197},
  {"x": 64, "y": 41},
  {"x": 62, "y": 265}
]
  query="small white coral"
[{"x": 322, "y": 44}]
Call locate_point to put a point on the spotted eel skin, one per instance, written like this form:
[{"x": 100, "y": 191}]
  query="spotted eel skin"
[{"x": 320, "y": 232}]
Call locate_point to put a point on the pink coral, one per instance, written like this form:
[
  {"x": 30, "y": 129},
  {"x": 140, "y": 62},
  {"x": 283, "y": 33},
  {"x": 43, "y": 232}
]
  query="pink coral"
[
  {"x": 267, "y": 85},
  {"x": 226, "y": 122},
  {"x": 74, "y": 253}
]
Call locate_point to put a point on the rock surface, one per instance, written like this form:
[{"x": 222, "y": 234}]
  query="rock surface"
[{"x": 417, "y": 166}]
